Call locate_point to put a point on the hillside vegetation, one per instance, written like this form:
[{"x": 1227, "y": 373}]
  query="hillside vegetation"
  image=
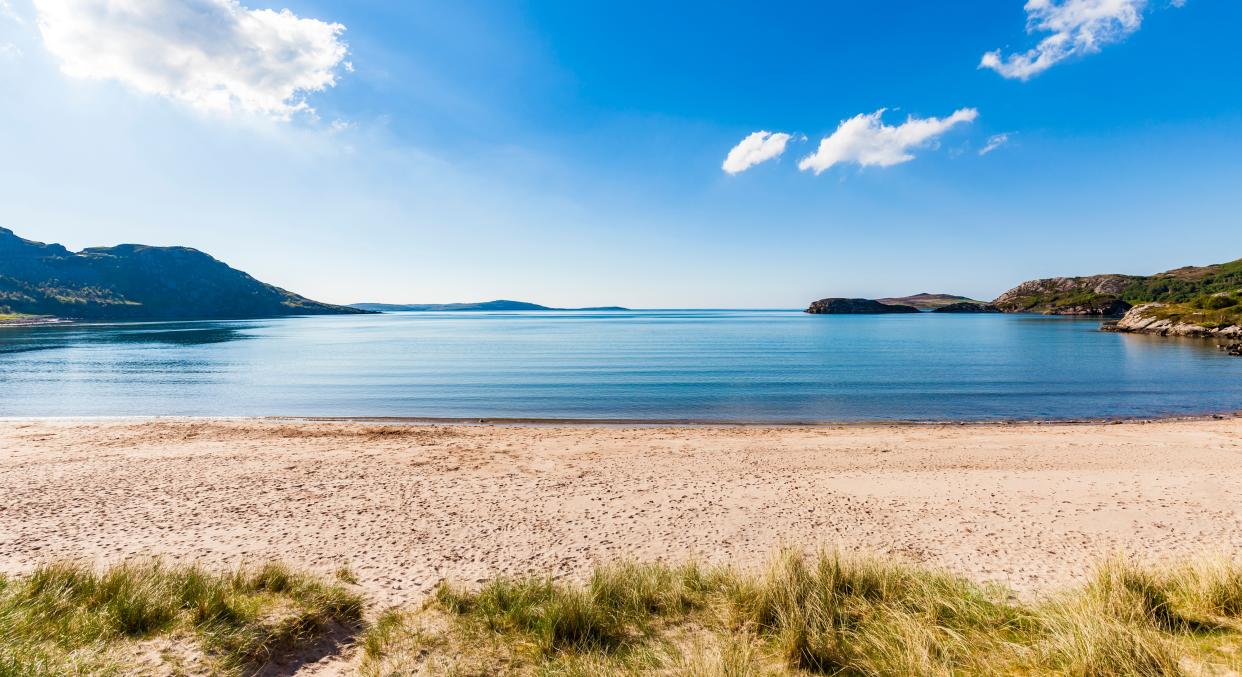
[
  {"x": 132, "y": 281},
  {"x": 1188, "y": 288}
]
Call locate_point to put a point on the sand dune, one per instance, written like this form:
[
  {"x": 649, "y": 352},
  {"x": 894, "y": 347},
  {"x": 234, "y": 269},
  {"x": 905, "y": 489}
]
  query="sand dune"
[{"x": 1029, "y": 505}]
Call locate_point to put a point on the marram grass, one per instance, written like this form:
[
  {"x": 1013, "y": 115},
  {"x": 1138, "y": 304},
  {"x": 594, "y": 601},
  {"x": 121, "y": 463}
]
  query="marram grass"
[
  {"x": 828, "y": 614},
  {"x": 71, "y": 619},
  {"x": 831, "y": 613}
]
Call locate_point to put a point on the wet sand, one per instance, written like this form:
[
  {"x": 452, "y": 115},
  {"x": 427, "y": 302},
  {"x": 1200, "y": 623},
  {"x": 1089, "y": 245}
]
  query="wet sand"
[{"x": 1027, "y": 505}]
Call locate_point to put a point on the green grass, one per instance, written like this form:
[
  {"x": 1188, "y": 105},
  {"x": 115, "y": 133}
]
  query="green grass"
[
  {"x": 70, "y": 619},
  {"x": 828, "y": 614},
  {"x": 831, "y": 613}
]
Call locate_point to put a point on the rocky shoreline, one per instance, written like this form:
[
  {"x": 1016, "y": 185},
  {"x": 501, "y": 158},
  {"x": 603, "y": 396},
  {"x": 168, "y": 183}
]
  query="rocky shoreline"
[
  {"x": 30, "y": 321},
  {"x": 1144, "y": 319}
]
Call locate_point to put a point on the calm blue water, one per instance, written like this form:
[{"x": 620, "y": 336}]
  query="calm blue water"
[{"x": 706, "y": 365}]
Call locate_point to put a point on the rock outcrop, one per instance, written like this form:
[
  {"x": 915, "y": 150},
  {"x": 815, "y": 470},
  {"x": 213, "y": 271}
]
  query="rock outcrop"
[
  {"x": 967, "y": 307},
  {"x": 842, "y": 306},
  {"x": 1171, "y": 320}
]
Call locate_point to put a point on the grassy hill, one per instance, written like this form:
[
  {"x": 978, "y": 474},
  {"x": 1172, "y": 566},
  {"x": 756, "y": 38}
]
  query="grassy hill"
[
  {"x": 1182, "y": 290},
  {"x": 926, "y": 301},
  {"x": 132, "y": 281}
]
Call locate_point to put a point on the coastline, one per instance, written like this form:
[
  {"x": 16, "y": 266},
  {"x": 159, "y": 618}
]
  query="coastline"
[
  {"x": 32, "y": 321},
  {"x": 406, "y": 505},
  {"x": 718, "y": 423}
]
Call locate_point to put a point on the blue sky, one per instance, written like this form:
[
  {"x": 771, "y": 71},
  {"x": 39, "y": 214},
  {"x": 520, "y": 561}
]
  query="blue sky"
[{"x": 571, "y": 153}]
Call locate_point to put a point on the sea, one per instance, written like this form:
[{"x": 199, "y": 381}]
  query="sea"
[{"x": 759, "y": 366}]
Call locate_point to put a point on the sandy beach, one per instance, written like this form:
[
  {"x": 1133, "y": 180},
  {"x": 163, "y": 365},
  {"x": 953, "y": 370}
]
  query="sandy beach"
[{"x": 407, "y": 505}]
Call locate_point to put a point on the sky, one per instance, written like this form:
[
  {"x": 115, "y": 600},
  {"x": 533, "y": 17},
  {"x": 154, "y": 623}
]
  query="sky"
[{"x": 645, "y": 154}]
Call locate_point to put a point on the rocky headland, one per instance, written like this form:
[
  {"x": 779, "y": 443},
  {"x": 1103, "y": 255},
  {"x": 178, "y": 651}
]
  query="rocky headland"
[{"x": 1114, "y": 295}]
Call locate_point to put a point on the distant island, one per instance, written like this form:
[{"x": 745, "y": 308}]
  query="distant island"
[
  {"x": 499, "y": 304},
  {"x": 40, "y": 281},
  {"x": 916, "y": 303},
  {"x": 927, "y": 301}
]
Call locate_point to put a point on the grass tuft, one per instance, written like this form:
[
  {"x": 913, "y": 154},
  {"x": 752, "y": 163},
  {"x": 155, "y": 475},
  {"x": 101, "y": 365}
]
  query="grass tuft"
[
  {"x": 832, "y": 613},
  {"x": 69, "y": 618}
]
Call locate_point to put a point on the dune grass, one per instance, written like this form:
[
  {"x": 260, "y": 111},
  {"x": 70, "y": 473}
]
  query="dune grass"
[
  {"x": 829, "y": 614},
  {"x": 71, "y": 619}
]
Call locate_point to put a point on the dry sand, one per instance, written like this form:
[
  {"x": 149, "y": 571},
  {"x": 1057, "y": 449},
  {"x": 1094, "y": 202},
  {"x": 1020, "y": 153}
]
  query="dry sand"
[{"x": 1027, "y": 505}]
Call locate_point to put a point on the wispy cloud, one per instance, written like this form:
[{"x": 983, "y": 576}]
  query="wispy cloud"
[
  {"x": 1077, "y": 27},
  {"x": 214, "y": 55},
  {"x": 865, "y": 140},
  {"x": 757, "y": 147},
  {"x": 995, "y": 141},
  {"x": 7, "y": 12}
]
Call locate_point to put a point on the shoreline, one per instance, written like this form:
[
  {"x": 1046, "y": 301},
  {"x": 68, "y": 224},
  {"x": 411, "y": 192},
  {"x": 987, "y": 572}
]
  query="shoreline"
[
  {"x": 518, "y": 422},
  {"x": 1030, "y": 506},
  {"x": 742, "y": 423}
]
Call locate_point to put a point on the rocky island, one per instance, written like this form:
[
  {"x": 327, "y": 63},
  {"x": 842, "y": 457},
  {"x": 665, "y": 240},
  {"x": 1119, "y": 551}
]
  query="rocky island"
[
  {"x": 967, "y": 307},
  {"x": 843, "y": 306},
  {"x": 135, "y": 282}
]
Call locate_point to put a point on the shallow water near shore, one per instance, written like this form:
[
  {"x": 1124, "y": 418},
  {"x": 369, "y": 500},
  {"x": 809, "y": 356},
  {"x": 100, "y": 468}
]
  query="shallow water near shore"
[{"x": 778, "y": 366}]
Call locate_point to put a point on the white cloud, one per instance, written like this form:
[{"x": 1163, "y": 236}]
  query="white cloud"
[
  {"x": 758, "y": 147},
  {"x": 865, "y": 139},
  {"x": 995, "y": 141},
  {"x": 1077, "y": 27},
  {"x": 215, "y": 55}
]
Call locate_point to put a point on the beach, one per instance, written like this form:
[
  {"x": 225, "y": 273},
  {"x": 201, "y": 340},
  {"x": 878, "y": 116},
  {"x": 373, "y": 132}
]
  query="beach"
[{"x": 1027, "y": 505}]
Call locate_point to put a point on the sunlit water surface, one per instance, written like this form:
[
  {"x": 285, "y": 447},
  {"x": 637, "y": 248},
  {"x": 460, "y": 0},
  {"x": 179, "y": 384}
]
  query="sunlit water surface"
[{"x": 659, "y": 365}]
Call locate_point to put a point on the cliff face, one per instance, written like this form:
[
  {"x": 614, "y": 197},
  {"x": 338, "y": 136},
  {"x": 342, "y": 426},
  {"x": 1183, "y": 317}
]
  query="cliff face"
[
  {"x": 1094, "y": 295},
  {"x": 136, "y": 282},
  {"x": 840, "y": 306}
]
